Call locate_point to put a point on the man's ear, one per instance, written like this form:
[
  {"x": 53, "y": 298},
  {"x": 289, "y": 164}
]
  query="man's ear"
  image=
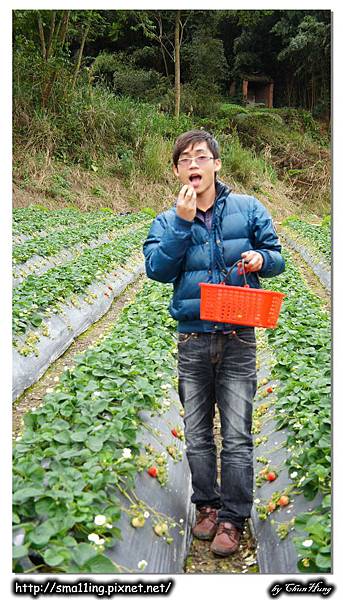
[
  {"x": 217, "y": 165},
  {"x": 175, "y": 171}
]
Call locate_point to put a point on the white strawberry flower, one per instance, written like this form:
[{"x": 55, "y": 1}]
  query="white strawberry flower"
[
  {"x": 142, "y": 564},
  {"x": 294, "y": 474},
  {"x": 100, "y": 520},
  {"x": 307, "y": 543},
  {"x": 127, "y": 453},
  {"x": 146, "y": 515},
  {"x": 93, "y": 537}
]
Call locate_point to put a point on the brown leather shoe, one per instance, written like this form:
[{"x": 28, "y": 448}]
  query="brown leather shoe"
[
  {"x": 226, "y": 540},
  {"x": 206, "y": 523}
]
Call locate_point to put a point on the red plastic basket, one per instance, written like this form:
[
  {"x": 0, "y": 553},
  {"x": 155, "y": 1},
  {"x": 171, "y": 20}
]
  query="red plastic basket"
[{"x": 239, "y": 305}]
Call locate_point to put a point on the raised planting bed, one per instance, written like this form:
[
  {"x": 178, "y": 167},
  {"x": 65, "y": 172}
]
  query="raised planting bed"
[
  {"x": 318, "y": 234},
  {"x": 62, "y": 328},
  {"x": 313, "y": 243},
  {"x": 50, "y": 310},
  {"x": 51, "y": 245},
  {"x": 100, "y": 479},
  {"x": 38, "y": 219},
  {"x": 38, "y": 296},
  {"x": 292, "y": 425},
  {"x": 38, "y": 265}
]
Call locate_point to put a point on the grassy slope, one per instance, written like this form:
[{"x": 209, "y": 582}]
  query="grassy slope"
[{"x": 122, "y": 159}]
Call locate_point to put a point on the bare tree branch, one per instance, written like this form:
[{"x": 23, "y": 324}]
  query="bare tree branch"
[
  {"x": 80, "y": 53},
  {"x": 41, "y": 34},
  {"x": 51, "y": 33}
]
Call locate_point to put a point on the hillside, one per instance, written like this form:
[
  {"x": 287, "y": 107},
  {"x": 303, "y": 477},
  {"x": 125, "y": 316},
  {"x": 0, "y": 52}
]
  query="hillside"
[{"x": 116, "y": 153}]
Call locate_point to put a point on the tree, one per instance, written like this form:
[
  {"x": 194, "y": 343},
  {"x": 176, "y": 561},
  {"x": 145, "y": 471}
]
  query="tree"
[
  {"x": 306, "y": 51},
  {"x": 91, "y": 24},
  {"x": 167, "y": 28}
]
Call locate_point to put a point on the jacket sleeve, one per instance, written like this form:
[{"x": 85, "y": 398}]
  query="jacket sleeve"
[
  {"x": 266, "y": 241},
  {"x": 165, "y": 247}
]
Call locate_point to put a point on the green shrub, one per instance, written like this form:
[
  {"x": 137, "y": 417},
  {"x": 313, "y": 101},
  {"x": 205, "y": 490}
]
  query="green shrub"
[
  {"x": 255, "y": 117},
  {"x": 326, "y": 222},
  {"x": 231, "y": 110},
  {"x": 243, "y": 165},
  {"x": 149, "y": 211},
  {"x": 156, "y": 158}
]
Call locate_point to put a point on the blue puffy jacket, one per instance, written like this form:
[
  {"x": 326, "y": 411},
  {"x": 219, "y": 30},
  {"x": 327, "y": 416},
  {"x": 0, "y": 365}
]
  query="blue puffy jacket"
[{"x": 185, "y": 253}]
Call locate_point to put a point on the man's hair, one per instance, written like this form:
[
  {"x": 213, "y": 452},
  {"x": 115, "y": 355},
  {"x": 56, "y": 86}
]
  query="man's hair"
[{"x": 194, "y": 137}]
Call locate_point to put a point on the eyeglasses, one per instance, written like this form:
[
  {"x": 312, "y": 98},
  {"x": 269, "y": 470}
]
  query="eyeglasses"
[{"x": 199, "y": 160}]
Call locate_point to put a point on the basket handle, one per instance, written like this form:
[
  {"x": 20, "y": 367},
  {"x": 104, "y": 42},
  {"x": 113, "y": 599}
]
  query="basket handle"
[{"x": 241, "y": 271}]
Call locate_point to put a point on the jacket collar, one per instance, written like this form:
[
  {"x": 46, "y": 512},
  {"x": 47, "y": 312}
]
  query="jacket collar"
[{"x": 222, "y": 190}]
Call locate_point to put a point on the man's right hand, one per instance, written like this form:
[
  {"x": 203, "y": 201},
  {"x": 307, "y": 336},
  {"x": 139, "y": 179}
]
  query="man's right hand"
[{"x": 186, "y": 203}]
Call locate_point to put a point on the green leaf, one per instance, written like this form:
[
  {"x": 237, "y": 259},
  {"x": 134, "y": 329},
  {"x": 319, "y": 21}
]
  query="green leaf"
[
  {"x": 63, "y": 437},
  {"x": 53, "y": 557},
  {"x": 82, "y": 553},
  {"x": 100, "y": 564},
  {"x": 44, "y": 505},
  {"x": 68, "y": 540},
  {"x": 19, "y": 551},
  {"x": 323, "y": 561},
  {"x": 79, "y": 436},
  {"x": 327, "y": 501},
  {"x": 98, "y": 407},
  {"x": 25, "y": 493},
  {"x": 94, "y": 443},
  {"x": 42, "y": 534}
]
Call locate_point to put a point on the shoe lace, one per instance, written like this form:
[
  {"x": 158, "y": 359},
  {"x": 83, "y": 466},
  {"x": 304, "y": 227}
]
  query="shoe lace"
[
  {"x": 229, "y": 530},
  {"x": 206, "y": 512}
]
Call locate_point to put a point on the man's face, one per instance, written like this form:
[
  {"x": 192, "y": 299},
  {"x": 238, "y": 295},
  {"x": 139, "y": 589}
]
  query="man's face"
[{"x": 199, "y": 175}]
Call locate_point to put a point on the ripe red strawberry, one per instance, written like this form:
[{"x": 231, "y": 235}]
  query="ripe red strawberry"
[
  {"x": 175, "y": 432},
  {"x": 270, "y": 390},
  {"x": 284, "y": 500},
  {"x": 271, "y": 476},
  {"x": 153, "y": 471}
]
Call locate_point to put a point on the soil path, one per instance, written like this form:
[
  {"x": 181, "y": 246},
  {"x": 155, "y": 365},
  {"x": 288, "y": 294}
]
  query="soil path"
[{"x": 200, "y": 558}]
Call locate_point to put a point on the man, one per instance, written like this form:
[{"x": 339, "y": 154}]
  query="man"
[{"x": 206, "y": 232}]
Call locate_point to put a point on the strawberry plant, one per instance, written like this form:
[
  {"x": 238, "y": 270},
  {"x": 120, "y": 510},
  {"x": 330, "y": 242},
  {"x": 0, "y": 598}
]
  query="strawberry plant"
[
  {"x": 33, "y": 219},
  {"x": 302, "y": 346},
  {"x": 39, "y": 295},
  {"x": 68, "y": 237},
  {"x": 80, "y": 445},
  {"x": 317, "y": 236}
]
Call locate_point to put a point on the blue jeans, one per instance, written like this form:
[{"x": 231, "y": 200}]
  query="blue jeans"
[{"x": 219, "y": 368}]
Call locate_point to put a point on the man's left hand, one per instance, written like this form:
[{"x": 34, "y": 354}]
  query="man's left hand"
[{"x": 253, "y": 261}]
